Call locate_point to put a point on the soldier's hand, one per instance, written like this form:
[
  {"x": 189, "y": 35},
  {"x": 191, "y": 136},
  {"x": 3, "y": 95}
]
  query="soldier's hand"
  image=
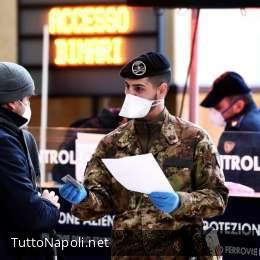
[
  {"x": 165, "y": 201},
  {"x": 52, "y": 197},
  {"x": 72, "y": 193}
]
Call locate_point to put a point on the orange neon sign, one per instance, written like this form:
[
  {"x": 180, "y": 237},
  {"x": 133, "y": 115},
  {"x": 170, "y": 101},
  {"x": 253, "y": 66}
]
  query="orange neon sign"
[
  {"x": 88, "y": 51},
  {"x": 89, "y": 20}
]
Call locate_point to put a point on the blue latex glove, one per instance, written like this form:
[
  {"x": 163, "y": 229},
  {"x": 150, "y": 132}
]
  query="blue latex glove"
[
  {"x": 165, "y": 201},
  {"x": 72, "y": 193}
]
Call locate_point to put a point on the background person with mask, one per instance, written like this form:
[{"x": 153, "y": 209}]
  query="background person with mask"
[
  {"x": 160, "y": 223},
  {"x": 232, "y": 105},
  {"x": 23, "y": 209}
]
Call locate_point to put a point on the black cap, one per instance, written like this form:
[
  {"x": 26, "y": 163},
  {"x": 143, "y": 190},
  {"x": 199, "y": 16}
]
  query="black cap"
[
  {"x": 15, "y": 82},
  {"x": 146, "y": 65},
  {"x": 228, "y": 84}
]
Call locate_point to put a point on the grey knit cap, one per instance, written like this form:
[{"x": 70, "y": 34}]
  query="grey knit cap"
[{"x": 15, "y": 82}]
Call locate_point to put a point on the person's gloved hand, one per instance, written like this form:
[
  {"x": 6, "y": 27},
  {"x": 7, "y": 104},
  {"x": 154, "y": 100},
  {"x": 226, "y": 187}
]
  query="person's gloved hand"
[
  {"x": 165, "y": 201},
  {"x": 72, "y": 193}
]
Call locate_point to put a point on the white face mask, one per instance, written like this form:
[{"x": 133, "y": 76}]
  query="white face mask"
[
  {"x": 137, "y": 107},
  {"x": 216, "y": 118},
  {"x": 27, "y": 113}
]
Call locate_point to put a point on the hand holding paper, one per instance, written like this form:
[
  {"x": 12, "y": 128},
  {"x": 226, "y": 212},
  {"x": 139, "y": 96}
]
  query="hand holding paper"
[{"x": 165, "y": 201}]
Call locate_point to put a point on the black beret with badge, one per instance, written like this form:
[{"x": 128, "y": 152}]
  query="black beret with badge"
[{"x": 146, "y": 65}]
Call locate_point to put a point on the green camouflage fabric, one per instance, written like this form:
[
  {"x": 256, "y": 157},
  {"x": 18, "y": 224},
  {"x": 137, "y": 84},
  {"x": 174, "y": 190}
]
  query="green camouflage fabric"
[{"x": 188, "y": 158}]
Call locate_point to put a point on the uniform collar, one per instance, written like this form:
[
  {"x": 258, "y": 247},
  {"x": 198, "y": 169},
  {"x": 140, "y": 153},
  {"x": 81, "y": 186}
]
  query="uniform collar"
[
  {"x": 143, "y": 127},
  {"x": 128, "y": 136},
  {"x": 235, "y": 121}
]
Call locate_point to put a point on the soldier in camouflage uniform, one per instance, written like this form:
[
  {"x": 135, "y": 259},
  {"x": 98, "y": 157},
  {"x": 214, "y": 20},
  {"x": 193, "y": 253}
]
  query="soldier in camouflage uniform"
[{"x": 144, "y": 226}]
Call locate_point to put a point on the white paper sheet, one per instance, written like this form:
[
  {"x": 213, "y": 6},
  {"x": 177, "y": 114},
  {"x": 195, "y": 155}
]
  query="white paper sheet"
[{"x": 139, "y": 173}]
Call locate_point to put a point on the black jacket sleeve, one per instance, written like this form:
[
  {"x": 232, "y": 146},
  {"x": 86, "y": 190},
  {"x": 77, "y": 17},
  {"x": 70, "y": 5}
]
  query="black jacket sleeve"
[{"x": 22, "y": 205}]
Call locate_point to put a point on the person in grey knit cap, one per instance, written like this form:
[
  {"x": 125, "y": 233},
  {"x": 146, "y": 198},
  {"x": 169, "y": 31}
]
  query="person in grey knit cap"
[
  {"x": 23, "y": 208},
  {"x": 16, "y": 82}
]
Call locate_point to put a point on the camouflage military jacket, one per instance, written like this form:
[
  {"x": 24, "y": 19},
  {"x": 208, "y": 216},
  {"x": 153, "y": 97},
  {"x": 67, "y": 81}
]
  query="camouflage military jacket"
[{"x": 187, "y": 157}]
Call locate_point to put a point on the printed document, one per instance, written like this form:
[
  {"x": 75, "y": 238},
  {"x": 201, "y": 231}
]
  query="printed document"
[{"x": 139, "y": 173}]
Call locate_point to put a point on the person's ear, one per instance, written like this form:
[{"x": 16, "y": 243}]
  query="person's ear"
[
  {"x": 10, "y": 106},
  {"x": 239, "y": 106},
  {"x": 163, "y": 89}
]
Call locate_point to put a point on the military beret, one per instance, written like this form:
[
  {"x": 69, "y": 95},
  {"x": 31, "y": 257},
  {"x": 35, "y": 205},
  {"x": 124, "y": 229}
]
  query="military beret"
[
  {"x": 228, "y": 84},
  {"x": 146, "y": 65},
  {"x": 15, "y": 82}
]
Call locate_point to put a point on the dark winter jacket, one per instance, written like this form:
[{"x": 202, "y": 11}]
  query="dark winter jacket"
[{"x": 22, "y": 208}]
